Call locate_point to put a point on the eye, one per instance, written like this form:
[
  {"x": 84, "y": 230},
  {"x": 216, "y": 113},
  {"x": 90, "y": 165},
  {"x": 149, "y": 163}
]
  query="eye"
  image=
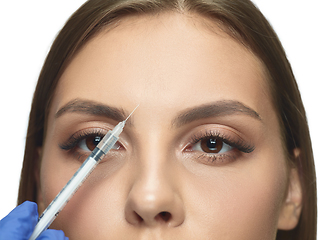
[
  {"x": 211, "y": 145},
  {"x": 89, "y": 143}
]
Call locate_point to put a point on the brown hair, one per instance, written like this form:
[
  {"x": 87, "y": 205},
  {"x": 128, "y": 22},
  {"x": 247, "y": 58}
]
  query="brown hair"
[{"x": 241, "y": 20}]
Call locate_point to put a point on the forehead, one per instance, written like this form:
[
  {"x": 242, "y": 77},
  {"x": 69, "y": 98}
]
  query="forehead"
[{"x": 171, "y": 59}]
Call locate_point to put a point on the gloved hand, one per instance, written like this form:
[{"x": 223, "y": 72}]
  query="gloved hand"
[{"x": 19, "y": 224}]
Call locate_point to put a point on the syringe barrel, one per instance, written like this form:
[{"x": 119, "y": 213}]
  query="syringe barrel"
[
  {"x": 106, "y": 143},
  {"x": 64, "y": 196}
]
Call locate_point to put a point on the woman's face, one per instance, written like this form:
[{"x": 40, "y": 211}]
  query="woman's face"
[{"x": 201, "y": 157}]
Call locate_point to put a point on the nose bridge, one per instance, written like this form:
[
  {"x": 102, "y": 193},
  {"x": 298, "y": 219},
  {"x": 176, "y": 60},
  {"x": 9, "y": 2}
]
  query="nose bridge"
[
  {"x": 154, "y": 160},
  {"x": 154, "y": 198}
]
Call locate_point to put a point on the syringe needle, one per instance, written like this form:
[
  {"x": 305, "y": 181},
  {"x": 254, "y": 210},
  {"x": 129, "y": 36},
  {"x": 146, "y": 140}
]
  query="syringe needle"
[
  {"x": 78, "y": 178},
  {"x": 132, "y": 112}
]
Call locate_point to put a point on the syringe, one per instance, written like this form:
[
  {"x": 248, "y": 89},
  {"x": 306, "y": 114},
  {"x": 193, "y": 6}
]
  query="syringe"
[{"x": 58, "y": 203}]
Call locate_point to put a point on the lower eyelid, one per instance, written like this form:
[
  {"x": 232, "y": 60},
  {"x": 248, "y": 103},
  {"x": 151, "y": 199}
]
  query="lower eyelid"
[
  {"x": 210, "y": 159},
  {"x": 222, "y": 158},
  {"x": 81, "y": 155}
]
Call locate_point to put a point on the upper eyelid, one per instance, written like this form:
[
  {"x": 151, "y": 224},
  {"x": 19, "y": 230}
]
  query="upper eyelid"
[
  {"x": 88, "y": 131},
  {"x": 213, "y": 133}
]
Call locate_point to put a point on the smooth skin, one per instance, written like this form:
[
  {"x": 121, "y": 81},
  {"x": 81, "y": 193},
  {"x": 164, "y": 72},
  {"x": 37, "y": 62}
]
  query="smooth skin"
[{"x": 159, "y": 182}]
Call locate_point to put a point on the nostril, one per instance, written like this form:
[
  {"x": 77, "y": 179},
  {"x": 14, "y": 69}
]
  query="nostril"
[
  {"x": 137, "y": 218},
  {"x": 165, "y": 216},
  {"x": 162, "y": 217}
]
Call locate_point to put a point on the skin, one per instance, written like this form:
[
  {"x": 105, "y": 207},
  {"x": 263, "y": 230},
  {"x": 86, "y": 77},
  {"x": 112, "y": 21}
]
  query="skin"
[{"x": 157, "y": 184}]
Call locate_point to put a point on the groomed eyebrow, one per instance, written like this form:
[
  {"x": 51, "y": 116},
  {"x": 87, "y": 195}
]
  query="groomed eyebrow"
[
  {"x": 219, "y": 108},
  {"x": 92, "y": 108}
]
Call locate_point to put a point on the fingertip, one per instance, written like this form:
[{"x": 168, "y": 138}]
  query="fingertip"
[
  {"x": 20, "y": 221},
  {"x": 28, "y": 211},
  {"x": 31, "y": 206}
]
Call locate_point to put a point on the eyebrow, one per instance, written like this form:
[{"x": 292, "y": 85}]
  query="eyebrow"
[
  {"x": 92, "y": 108},
  {"x": 219, "y": 108}
]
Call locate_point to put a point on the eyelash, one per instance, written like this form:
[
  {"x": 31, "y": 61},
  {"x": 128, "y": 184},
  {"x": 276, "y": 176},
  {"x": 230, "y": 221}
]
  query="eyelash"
[
  {"x": 237, "y": 144},
  {"x": 76, "y": 138}
]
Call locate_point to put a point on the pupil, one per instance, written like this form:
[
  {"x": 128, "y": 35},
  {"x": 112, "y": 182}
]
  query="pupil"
[
  {"x": 96, "y": 140},
  {"x": 212, "y": 144}
]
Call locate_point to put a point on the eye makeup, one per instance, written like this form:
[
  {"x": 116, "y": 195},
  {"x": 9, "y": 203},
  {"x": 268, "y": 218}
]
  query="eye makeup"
[
  {"x": 211, "y": 144},
  {"x": 216, "y": 146},
  {"x": 75, "y": 138},
  {"x": 81, "y": 143}
]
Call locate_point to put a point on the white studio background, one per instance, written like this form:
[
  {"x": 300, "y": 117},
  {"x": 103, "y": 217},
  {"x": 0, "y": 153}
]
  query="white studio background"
[{"x": 29, "y": 27}]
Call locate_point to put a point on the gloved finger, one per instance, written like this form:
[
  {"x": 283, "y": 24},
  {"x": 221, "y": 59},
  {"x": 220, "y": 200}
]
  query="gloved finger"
[
  {"x": 20, "y": 222},
  {"x": 51, "y": 234}
]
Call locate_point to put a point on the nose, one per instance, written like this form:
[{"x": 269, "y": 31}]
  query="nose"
[{"x": 154, "y": 199}]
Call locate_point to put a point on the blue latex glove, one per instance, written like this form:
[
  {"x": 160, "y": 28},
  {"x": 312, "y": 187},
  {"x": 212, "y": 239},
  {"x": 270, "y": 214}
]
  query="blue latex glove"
[{"x": 19, "y": 224}]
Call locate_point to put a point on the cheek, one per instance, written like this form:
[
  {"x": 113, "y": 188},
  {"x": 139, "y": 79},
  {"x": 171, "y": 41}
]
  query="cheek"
[
  {"x": 55, "y": 172},
  {"x": 97, "y": 208},
  {"x": 52, "y": 178},
  {"x": 257, "y": 200},
  {"x": 241, "y": 201},
  {"x": 86, "y": 211}
]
